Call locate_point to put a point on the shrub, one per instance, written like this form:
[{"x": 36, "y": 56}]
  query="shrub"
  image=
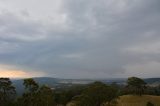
[{"x": 150, "y": 104}]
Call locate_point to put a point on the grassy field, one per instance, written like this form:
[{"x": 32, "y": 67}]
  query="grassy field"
[{"x": 129, "y": 100}]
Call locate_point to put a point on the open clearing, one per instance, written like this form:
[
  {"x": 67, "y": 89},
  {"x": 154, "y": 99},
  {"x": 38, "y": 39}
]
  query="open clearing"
[{"x": 128, "y": 100}]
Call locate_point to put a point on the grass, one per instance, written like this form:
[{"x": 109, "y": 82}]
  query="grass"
[{"x": 129, "y": 100}]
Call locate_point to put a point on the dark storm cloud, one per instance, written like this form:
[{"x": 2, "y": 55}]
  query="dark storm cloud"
[{"x": 106, "y": 38}]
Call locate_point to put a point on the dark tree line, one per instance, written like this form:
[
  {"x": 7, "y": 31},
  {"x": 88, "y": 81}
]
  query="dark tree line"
[{"x": 94, "y": 94}]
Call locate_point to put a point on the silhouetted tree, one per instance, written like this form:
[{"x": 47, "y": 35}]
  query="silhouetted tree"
[
  {"x": 30, "y": 85},
  {"x": 29, "y": 98},
  {"x": 136, "y": 86},
  {"x": 35, "y": 95},
  {"x": 7, "y": 91}
]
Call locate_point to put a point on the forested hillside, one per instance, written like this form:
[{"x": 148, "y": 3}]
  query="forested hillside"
[{"x": 52, "y": 92}]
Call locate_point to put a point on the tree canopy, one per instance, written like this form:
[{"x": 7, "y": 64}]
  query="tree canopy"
[
  {"x": 7, "y": 91},
  {"x": 136, "y": 85},
  {"x": 36, "y": 95},
  {"x": 96, "y": 94}
]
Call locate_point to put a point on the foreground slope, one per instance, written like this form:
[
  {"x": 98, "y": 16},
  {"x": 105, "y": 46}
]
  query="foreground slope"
[{"x": 129, "y": 100}]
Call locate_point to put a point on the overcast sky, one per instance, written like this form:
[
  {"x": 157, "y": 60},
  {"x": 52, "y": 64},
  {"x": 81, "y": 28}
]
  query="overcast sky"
[{"x": 80, "y": 38}]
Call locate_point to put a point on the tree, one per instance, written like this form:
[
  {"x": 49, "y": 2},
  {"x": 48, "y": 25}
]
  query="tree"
[
  {"x": 64, "y": 96},
  {"x": 136, "y": 86},
  {"x": 29, "y": 98},
  {"x": 7, "y": 91},
  {"x": 45, "y": 96},
  {"x": 96, "y": 94},
  {"x": 30, "y": 85},
  {"x": 35, "y": 95}
]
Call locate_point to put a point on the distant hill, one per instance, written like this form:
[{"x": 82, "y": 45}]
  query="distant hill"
[
  {"x": 152, "y": 81},
  {"x": 51, "y": 82},
  {"x": 62, "y": 83}
]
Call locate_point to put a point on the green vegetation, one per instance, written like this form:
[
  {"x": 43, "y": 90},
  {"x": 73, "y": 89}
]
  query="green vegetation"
[
  {"x": 96, "y": 94},
  {"x": 134, "y": 93},
  {"x": 135, "y": 86},
  {"x": 35, "y": 95},
  {"x": 66, "y": 95}
]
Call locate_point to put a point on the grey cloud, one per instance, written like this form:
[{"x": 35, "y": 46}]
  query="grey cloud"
[{"x": 97, "y": 41}]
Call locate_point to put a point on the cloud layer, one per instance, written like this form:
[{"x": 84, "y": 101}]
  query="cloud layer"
[{"x": 81, "y": 39}]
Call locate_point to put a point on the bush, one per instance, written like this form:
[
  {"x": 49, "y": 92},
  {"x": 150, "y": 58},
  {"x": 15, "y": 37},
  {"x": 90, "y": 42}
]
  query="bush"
[{"x": 150, "y": 104}]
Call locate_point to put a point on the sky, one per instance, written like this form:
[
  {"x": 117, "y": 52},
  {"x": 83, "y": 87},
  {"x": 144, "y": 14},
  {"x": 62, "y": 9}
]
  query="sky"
[{"x": 80, "y": 38}]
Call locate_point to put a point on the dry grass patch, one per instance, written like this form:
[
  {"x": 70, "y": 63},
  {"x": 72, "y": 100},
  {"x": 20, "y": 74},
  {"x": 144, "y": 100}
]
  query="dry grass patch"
[{"x": 129, "y": 100}]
